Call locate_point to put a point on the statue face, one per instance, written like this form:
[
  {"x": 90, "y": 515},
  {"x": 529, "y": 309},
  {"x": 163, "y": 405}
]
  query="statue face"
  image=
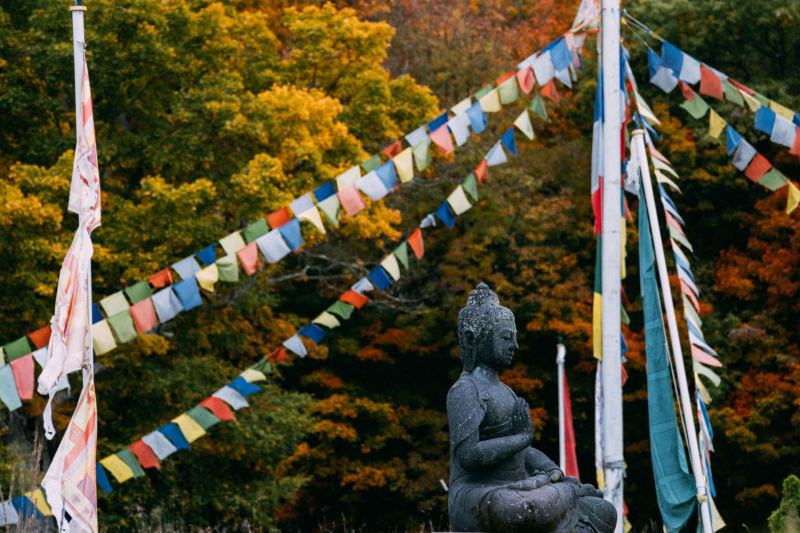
[{"x": 501, "y": 345}]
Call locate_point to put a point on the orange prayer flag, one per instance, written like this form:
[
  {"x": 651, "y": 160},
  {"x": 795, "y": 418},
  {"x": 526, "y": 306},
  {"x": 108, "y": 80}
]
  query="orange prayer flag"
[
  {"x": 145, "y": 455},
  {"x": 279, "y": 217},
  {"x": 710, "y": 84},
  {"x": 526, "y": 80},
  {"x": 220, "y": 409},
  {"x": 549, "y": 91},
  {"x": 687, "y": 92},
  {"x": 504, "y": 77},
  {"x": 41, "y": 337},
  {"x": 161, "y": 279},
  {"x": 278, "y": 355},
  {"x": 248, "y": 257},
  {"x": 481, "y": 171},
  {"x": 354, "y": 298},
  {"x": 741, "y": 86},
  {"x": 144, "y": 315},
  {"x": 795, "y": 149},
  {"x": 759, "y": 166},
  {"x": 393, "y": 149},
  {"x": 415, "y": 241}
]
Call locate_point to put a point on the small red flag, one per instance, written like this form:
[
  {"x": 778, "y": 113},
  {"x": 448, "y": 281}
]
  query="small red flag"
[
  {"x": 279, "y": 217},
  {"x": 481, "y": 170},
  {"x": 759, "y": 166},
  {"x": 41, "y": 337},
  {"x": 354, "y": 298},
  {"x": 549, "y": 91},
  {"x": 710, "y": 84},
  {"x": 145, "y": 455},
  {"x": 248, "y": 256},
  {"x": 393, "y": 149},
  {"x": 415, "y": 241},
  {"x": 22, "y": 369},
  {"x": 571, "y": 459},
  {"x": 161, "y": 279},
  {"x": 687, "y": 92},
  {"x": 220, "y": 409},
  {"x": 526, "y": 79},
  {"x": 278, "y": 356}
]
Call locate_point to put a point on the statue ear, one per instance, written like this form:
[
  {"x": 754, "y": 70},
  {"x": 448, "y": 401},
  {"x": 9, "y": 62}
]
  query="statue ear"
[{"x": 469, "y": 336}]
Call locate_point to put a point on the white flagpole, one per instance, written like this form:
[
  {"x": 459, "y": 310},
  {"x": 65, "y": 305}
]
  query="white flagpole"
[
  {"x": 613, "y": 457},
  {"x": 561, "y": 353},
  {"x": 637, "y": 142}
]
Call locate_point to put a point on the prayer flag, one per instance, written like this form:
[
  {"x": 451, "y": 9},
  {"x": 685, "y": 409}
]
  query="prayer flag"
[
  {"x": 715, "y": 124},
  {"x": 327, "y": 320},
  {"x": 459, "y": 126},
  {"x": 477, "y": 118},
  {"x": 482, "y": 170},
  {"x": 496, "y": 156},
  {"x": 161, "y": 279},
  {"x": 122, "y": 326},
  {"x": 253, "y": 231},
  {"x": 159, "y": 444},
  {"x": 204, "y": 418},
  {"x": 232, "y": 397},
  {"x": 295, "y": 345},
  {"x": 509, "y": 141},
  {"x": 173, "y": 433},
  {"x": 438, "y": 122},
  {"x": 549, "y": 91},
  {"x": 324, "y": 191},
  {"x": 732, "y": 139},
  {"x": 731, "y": 94},
  {"x": 351, "y": 200},
  {"x": 393, "y": 149},
  {"x": 209, "y": 276},
  {"x": 710, "y": 84},
  {"x": 348, "y": 178},
  {"x": 782, "y": 111},
  {"x": 247, "y": 389},
  {"x": 25, "y": 508},
  {"x": 41, "y": 337},
  {"x": 291, "y": 234},
  {"x": 17, "y": 348},
  {"x": 415, "y": 241},
  {"x": 144, "y": 316},
  {"x": 462, "y": 106},
  {"x": 138, "y": 291},
  {"x": 560, "y": 54},
  {"x": 379, "y": 279},
  {"x": 22, "y": 369},
  {"x": 571, "y": 459},
  {"x": 508, "y": 91},
  {"x": 543, "y": 68},
  {"x": 444, "y": 214},
  {"x": 231, "y": 243},
  {"x": 207, "y": 255},
  {"x": 227, "y": 269},
  {"x": 301, "y": 204},
  {"x": 144, "y": 455},
  {"x": 757, "y": 168},
  {"x": 273, "y": 246},
  {"x": 672, "y": 57},
  {"x": 248, "y": 256},
  {"x": 422, "y": 154},
  {"x": 387, "y": 174},
  {"x": 186, "y": 268},
  {"x": 102, "y": 337},
  {"x": 371, "y": 185},
  {"x": 441, "y": 138},
  {"x": 773, "y": 179},
  {"x": 312, "y": 215},
  {"x": 793, "y": 198},
  {"x": 490, "y": 102},
  {"x": 665, "y": 80},
  {"x": 690, "y": 70},
  {"x": 523, "y": 123},
  {"x": 313, "y": 332},
  {"x": 220, "y": 409},
  {"x": 188, "y": 293},
  {"x": 538, "y": 107},
  {"x": 121, "y": 471},
  {"x": 113, "y": 304},
  {"x": 330, "y": 207},
  {"x": 401, "y": 253},
  {"x": 342, "y": 309},
  {"x": 127, "y": 457},
  {"x": 278, "y": 355},
  {"x": 356, "y": 299},
  {"x": 696, "y": 107},
  {"x": 765, "y": 120},
  {"x": 391, "y": 266},
  {"x": 252, "y": 374},
  {"x": 372, "y": 163},
  {"x": 102, "y": 479},
  {"x": 458, "y": 201},
  {"x": 190, "y": 429},
  {"x": 525, "y": 79},
  {"x": 277, "y": 219},
  {"x": 167, "y": 304},
  {"x": 783, "y": 132},
  {"x": 404, "y": 163},
  {"x": 8, "y": 514},
  {"x": 470, "y": 186},
  {"x": 8, "y": 388},
  {"x": 417, "y": 136}
]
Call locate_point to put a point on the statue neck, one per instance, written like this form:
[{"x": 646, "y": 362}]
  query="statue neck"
[{"x": 486, "y": 372}]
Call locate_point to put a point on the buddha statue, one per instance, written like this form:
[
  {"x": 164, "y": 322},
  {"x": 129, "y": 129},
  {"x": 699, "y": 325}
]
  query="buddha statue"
[{"x": 498, "y": 482}]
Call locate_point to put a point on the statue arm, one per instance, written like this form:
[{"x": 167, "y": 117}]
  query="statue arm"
[
  {"x": 473, "y": 454},
  {"x": 536, "y": 462}
]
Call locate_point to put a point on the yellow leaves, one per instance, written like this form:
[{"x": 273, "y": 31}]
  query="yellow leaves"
[
  {"x": 367, "y": 477},
  {"x": 331, "y": 430}
]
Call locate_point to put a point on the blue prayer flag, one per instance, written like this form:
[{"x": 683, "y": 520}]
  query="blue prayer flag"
[
  {"x": 25, "y": 507},
  {"x": 796, "y": 119},
  {"x": 244, "y": 387},
  {"x": 174, "y": 435},
  {"x": 509, "y": 142},
  {"x": 438, "y": 122},
  {"x": 102, "y": 479},
  {"x": 559, "y": 54},
  {"x": 477, "y": 118},
  {"x": 672, "y": 58},
  {"x": 653, "y": 62},
  {"x": 291, "y": 234},
  {"x": 188, "y": 293},
  {"x": 732, "y": 139},
  {"x": 765, "y": 120},
  {"x": 97, "y": 316},
  {"x": 207, "y": 255},
  {"x": 379, "y": 278},
  {"x": 387, "y": 174},
  {"x": 313, "y": 332},
  {"x": 445, "y": 215},
  {"x": 326, "y": 190}
]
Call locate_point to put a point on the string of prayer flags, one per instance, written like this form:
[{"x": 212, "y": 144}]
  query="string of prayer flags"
[
  {"x": 173, "y": 433},
  {"x": 312, "y": 332},
  {"x": 444, "y": 214}
]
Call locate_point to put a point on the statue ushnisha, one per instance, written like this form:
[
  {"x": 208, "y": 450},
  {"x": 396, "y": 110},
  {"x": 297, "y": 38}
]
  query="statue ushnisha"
[{"x": 498, "y": 482}]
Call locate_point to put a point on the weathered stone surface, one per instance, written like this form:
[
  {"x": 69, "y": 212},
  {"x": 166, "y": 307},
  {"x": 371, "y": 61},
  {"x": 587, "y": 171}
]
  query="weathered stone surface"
[{"x": 498, "y": 482}]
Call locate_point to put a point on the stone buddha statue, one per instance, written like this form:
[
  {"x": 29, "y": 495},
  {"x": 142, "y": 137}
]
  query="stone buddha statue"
[{"x": 498, "y": 482}]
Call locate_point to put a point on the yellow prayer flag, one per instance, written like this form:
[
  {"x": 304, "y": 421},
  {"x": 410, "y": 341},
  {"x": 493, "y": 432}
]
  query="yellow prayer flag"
[
  {"x": 190, "y": 429},
  {"x": 118, "y": 468},
  {"x": 391, "y": 266},
  {"x": 701, "y": 389},
  {"x": 251, "y": 375},
  {"x": 404, "y": 163},
  {"x": 793, "y": 198},
  {"x": 716, "y": 519},
  {"x": 232, "y": 243},
  {"x": 783, "y": 111},
  {"x": 490, "y": 102},
  {"x": 715, "y": 124},
  {"x": 523, "y": 124},
  {"x": 207, "y": 277},
  {"x": 102, "y": 337},
  {"x": 458, "y": 201},
  {"x": 312, "y": 215},
  {"x": 752, "y": 103},
  {"x": 327, "y": 320},
  {"x": 597, "y": 332},
  {"x": 662, "y": 178},
  {"x": 38, "y": 499},
  {"x": 644, "y": 109}
]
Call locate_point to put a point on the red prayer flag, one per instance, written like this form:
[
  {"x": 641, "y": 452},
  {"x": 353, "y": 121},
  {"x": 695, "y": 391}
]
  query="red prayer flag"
[
  {"x": 687, "y": 92},
  {"x": 702, "y": 357},
  {"x": 41, "y": 337},
  {"x": 710, "y": 84},
  {"x": 571, "y": 459},
  {"x": 354, "y": 298},
  {"x": 22, "y": 369},
  {"x": 549, "y": 91},
  {"x": 351, "y": 201},
  {"x": 504, "y": 77},
  {"x": 145, "y": 455},
  {"x": 741, "y": 86},
  {"x": 759, "y": 166},
  {"x": 481, "y": 170},
  {"x": 220, "y": 409},
  {"x": 393, "y": 149},
  {"x": 248, "y": 256},
  {"x": 161, "y": 279},
  {"x": 526, "y": 80},
  {"x": 795, "y": 149},
  {"x": 415, "y": 241},
  {"x": 279, "y": 217},
  {"x": 278, "y": 355},
  {"x": 441, "y": 138},
  {"x": 144, "y": 316}
]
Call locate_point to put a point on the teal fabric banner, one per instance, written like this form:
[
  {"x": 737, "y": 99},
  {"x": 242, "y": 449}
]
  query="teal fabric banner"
[{"x": 675, "y": 488}]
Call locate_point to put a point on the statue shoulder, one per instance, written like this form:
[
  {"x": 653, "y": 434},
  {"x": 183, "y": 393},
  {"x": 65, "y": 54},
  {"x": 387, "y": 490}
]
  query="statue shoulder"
[
  {"x": 466, "y": 407},
  {"x": 467, "y": 390}
]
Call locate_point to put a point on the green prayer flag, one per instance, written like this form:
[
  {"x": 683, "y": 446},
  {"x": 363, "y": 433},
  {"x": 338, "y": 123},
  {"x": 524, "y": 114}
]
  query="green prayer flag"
[
  {"x": 228, "y": 269},
  {"x": 688, "y": 308},
  {"x": 470, "y": 185},
  {"x": 330, "y": 207},
  {"x": 372, "y": 163},
  {"x": 697, "y": 107},
  {"x": 625, "y": 319},
  {"x": 341, "y": 309},
  {"x": 127, "y": 457},
  {"x": 773, "y": 180},
  {"x": 680, "y": 238},
  {"x": 18, "y": 348},
  {"x": 255, "y": 230},
  {"x": 138, "y": 291},
  {"x": 731, "y": 94},
  {"x": 675, "y": 490},
  {"x": 509, "y": 91},
  {"x": 538, "y": 107},
  {"x": 401, "y": 253},
  {"x": 122, "y": 326},
  {"x": 422, "y": 155},
  {"x": 2, "y": 356},
  {"x": 263, "y": 366},
  {"x": 483, "y": 91},
  {"x": 763, "y": 99},
  {"x": 204, "y": 418}
]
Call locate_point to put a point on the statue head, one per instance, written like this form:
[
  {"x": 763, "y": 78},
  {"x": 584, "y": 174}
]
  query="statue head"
[{"x": 486, "y": 331}]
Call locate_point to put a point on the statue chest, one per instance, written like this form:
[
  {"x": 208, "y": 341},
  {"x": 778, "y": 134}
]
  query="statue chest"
[{"x": 499, "y": 401}]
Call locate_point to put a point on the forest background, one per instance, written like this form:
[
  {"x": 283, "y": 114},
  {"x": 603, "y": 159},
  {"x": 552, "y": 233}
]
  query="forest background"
[{"x": 212, "y": 114}]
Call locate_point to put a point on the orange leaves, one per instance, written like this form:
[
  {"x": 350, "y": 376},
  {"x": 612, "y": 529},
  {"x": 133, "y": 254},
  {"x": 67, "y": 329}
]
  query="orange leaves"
[
  {"x": 518, "y": 379},
  {"x": 367, "y": 477}
]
